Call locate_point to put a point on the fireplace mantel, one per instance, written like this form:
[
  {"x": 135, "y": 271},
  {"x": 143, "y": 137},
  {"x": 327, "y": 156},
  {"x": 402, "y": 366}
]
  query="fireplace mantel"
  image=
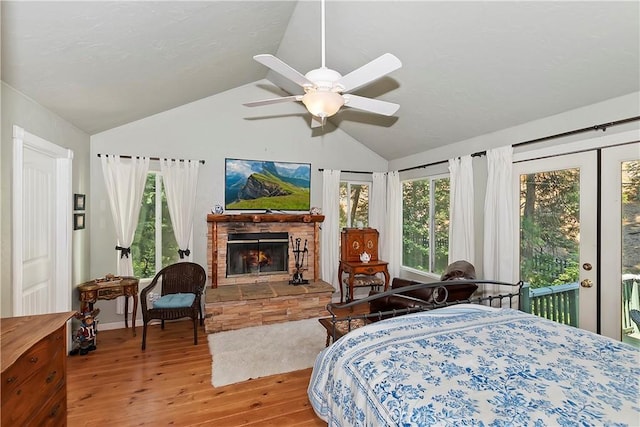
[
  {"x": 305, "y": 226},
  {"x": 266, "y": 217}
]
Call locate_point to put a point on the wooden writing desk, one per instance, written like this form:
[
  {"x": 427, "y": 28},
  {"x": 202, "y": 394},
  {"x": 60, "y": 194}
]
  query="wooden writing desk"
[
  {"x": 92, "y": 291},
  {"x": 369, "y": 268}
]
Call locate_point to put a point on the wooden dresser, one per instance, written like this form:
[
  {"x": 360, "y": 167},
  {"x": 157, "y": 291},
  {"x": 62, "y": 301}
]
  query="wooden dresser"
[{"x": 34, "y": 362}]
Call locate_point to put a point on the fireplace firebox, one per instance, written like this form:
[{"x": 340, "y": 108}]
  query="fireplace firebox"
[{"x": 257, "y": 253}]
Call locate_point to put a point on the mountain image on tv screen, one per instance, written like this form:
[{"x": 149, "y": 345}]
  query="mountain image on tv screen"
[{"x": 266, "y": 185}]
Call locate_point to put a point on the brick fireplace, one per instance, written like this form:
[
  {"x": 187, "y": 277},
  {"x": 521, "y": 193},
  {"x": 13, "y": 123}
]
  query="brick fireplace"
[
  {"x": 287, "y": 227},
  {"x": 245, "y": 294}
]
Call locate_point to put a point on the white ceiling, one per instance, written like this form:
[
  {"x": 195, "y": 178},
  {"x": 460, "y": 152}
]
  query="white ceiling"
[{"x": 469, "y": 68}]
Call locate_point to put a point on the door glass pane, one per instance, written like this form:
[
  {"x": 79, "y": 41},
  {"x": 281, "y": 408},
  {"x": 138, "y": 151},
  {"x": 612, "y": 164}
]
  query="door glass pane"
[
  {"x": 549, "y": 243},
  {"x": 630, "y": 250}
]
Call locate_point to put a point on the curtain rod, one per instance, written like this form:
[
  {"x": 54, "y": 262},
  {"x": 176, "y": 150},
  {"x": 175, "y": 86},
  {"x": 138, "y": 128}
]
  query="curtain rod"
[
  {"x": 440, "y": 162},
  {"x": 603, "y": 127},
  {"x": 347, "y": 171},
  {"x": 153, "y": 158}
]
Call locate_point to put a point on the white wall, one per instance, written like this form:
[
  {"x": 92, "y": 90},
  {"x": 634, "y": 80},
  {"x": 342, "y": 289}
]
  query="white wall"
[
  {"x": 17, "y": 109},
  {"x": 603, "y": 112},
  {"x": 213, "y": 129},
  {"x": 619, "y": 108}
]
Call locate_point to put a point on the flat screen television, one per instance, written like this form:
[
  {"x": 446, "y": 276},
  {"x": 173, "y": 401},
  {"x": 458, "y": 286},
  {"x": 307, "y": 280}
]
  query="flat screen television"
[{"x": 267, "y": 185}]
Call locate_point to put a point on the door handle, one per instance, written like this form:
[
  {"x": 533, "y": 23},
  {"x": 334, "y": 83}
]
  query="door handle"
[{"x": 586, "y": 283}]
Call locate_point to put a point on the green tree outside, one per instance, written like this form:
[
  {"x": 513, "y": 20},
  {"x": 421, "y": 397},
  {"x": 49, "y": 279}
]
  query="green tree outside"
[{"x": 143, "y": 249}]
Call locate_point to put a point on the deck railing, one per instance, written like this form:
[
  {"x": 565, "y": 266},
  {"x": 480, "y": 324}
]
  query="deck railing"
[{"x": 558, "y": 303}]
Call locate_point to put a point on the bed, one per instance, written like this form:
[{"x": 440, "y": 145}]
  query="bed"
[{"x": 473, "y": 364}]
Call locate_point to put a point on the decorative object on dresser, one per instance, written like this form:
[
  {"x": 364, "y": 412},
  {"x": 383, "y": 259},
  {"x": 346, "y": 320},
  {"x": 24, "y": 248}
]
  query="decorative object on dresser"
[
  {"x": 365, "y": 257},
  {"x": 108, "y": 288},
  {"x": 180, "y": 287},
  {"x": 299, "y": 256},
  {"x": 34, "y": 364}
]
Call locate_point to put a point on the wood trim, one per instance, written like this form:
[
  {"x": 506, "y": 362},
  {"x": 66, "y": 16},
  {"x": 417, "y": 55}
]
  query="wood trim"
[{"x": 265, "y": 218}]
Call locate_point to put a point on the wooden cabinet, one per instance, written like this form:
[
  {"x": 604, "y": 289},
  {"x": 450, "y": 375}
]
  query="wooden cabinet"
[
  {"x": 34, "y": 357},
  {"x": 355, "y": 241}
]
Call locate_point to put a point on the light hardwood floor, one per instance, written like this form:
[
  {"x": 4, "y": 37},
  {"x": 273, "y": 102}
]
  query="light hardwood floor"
[{"x": 170, "y": 383}]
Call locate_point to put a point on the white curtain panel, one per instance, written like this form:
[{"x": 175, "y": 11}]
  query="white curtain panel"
[
  {"x": 124, "y": 180},
  {"x": 392, "y": 248},
  {"x": 378, "y": 206},
  {"x": 180, "y": 180},
  {"x": 499, "y": 229},
  {"x": 329, "y": 256},
  {"x": 461, "y": 225}
]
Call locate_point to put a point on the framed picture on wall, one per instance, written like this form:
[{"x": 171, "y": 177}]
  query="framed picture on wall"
[
  {"x": 78, "y": 202},
  {"x": 78, "y": 221}
]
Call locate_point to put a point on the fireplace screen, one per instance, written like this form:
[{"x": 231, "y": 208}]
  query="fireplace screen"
[{"x": 257, "y": 253}]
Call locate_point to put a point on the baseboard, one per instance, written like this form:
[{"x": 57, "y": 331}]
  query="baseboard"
[{"x": 120, "y": 325}]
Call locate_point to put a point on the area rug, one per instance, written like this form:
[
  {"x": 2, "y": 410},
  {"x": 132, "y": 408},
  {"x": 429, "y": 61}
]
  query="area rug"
[{"x": 261, "y": 351}]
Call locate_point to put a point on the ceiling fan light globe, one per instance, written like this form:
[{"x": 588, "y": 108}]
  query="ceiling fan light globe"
[{"x": 323, "y": 103}]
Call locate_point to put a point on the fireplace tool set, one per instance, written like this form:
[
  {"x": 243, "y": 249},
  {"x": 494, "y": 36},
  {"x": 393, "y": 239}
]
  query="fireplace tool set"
[{"x": 299, "y": 256}]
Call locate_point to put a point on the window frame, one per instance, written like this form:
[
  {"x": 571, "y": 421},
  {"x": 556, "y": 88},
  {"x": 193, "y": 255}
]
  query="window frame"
[{"x": 412, "y": 271}]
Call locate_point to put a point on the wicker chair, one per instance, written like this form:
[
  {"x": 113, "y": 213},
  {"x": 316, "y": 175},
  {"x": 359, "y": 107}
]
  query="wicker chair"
[{"x": 180, "y": 289}]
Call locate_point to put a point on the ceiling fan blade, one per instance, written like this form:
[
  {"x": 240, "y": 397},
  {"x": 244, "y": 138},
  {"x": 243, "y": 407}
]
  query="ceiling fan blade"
[
  {"x": 372, "y": 105},
  {"x": 369, "y": 72},
  {"x": 273, "y": 101},
  {"x": 281, "y": 68}
]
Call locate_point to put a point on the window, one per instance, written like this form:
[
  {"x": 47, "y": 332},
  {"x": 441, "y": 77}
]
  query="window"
[
  {"x": 354, "y": 203},
  {"x": 425, "y": 224},
  {"x": 154, "y": 245}
]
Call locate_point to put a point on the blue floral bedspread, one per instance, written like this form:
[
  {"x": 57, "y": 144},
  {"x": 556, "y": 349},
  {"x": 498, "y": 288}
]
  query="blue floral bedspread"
[{"x": 476, "y": 366}]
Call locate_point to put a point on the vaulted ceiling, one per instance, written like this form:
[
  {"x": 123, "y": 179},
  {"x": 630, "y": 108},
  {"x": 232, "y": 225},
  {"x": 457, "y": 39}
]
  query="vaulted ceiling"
[{"x": 469, "y": 68}]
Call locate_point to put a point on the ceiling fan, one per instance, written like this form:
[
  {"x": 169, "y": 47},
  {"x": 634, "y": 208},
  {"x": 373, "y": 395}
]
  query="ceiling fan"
[{"x": 326, "y": 90}]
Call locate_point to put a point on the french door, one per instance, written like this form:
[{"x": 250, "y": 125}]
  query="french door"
[
  {"x": 620, "y": 270},
  {"x": 556, "y": 248},
  {"x": 567, "y": 210}
]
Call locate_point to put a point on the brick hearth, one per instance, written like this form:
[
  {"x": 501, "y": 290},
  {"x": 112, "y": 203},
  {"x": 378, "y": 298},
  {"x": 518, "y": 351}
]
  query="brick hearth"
[{"x": 241, "y": 306}]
